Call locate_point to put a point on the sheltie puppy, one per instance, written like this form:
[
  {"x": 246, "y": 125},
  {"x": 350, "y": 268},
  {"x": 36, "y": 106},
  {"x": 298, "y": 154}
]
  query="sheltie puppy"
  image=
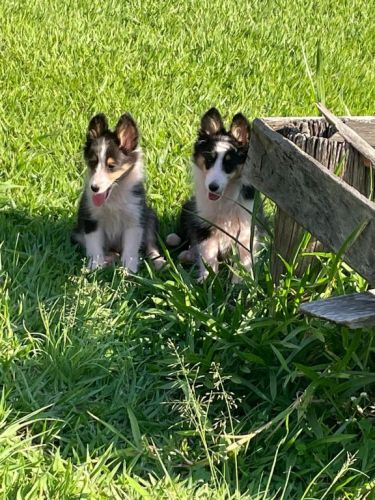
[
  {"x": 113, "y": 215},
  {"x": 217, "y": 219}
]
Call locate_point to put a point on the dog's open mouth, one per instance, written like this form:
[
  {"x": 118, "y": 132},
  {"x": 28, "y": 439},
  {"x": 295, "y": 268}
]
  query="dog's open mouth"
[
  {"x": 213, "y": 196},
  {"x": 100, "y": 198}
]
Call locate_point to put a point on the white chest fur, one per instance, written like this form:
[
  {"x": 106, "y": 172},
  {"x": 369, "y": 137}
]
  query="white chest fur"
[
  {"x": 230, "y": 219},
  {"x": 121, "y": 211}
]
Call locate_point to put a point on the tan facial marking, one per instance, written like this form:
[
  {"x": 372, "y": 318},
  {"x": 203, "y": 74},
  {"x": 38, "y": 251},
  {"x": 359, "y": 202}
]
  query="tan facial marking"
[
  {"x": 199, "y": 161},
  {"x": 116, "y": 174},
  {"x": 110, "y": 161}
]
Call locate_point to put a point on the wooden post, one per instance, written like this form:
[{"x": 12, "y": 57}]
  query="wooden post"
[
  {"x": 313, "y": 196},
  {"x": 321, "y": 141}
]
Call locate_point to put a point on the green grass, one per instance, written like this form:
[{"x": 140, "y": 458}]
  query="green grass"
[{"x": 155, "y": 387}]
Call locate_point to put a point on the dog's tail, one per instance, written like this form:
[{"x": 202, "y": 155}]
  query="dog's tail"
[
  {"x": 183, "y": 237},
  {"x": 187, "y": 254},
  {"x": 150, "y": 244}
]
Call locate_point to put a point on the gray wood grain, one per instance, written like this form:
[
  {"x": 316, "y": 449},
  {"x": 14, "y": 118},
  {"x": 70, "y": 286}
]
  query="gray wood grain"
[
  {"x": 355, "y": 311},
  {"x": 319, "y": 201},
  {"x": 320, "y": 140},
  {"x": 350, "y": 135},
  {"x": 363, "y": 125}
]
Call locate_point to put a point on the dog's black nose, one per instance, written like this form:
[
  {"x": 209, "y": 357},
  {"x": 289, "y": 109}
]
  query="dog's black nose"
[
  {"x": 94, "y": 188},
  {"x": 213, "y": 187}
]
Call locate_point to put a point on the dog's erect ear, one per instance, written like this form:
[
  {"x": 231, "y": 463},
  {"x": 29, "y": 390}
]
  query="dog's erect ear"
[
  {"x": 127, "y": 133},
  {"x": 97, "y": 126},
  {"x": 211, "y": 123},
  {"x": 240, "y": 129}
]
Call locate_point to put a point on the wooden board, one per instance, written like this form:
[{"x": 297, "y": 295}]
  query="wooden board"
[
  {"x": 355, "y": 311},
  {"x": 350, "y": 135},
  {"x": 363, "y": 125},
  {"x": 319, "y": 139},
  {"x": 323, "y": 204}
]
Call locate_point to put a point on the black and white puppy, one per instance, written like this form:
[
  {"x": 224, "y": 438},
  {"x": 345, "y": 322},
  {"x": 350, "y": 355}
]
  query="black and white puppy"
[
  {"x": 113, "y": 215},
  {"x": 214, "y": 220}
]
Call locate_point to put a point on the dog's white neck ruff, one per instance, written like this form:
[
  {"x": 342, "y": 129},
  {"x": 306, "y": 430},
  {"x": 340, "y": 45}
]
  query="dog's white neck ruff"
[{"x": 230, "y": 221}]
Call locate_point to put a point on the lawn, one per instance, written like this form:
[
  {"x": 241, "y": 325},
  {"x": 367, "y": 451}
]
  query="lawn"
[{"x": 154, "y": 386}]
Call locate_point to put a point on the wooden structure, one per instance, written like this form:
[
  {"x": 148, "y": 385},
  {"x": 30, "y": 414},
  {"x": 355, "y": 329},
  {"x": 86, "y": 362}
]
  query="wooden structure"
[
  {"x": 321, "y": 141},
  {"x": 294, "y": 161},
  {"x": 355, "y": 310}
]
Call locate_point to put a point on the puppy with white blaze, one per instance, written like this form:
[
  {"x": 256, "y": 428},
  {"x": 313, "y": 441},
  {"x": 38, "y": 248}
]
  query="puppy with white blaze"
[
  {"x": 113, "y": 215},
  {"x": 215, "y": 219}
]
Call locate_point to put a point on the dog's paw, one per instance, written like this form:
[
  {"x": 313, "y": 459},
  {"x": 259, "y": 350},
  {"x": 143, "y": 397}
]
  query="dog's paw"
[
  {"x": 96, "y": 262},
  {"x": 130, "y": 266},
  {"x": 157, "y": 260},
  {"x": 173, "y": 240},
  {"x": 159, "y": 263},
  {"x": 186, "y": 257},
  {"x": 203, "y": 276}
]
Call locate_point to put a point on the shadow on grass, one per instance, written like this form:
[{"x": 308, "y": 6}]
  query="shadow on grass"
[
  {"x": 85, "y": 345},
  {"x": 40, "y": 266},
  {"x": 37, "y": 245},
  {"x": 92, "y": 350}
]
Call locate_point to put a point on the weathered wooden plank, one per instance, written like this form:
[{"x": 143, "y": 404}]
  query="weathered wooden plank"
[
  {"x": 318, "y": 200},
  {"x": 349, "y": 134},
  {"x": 280, "y": 121},
  {"x": 326, "y": 147},
  {"x": 356, "y": 310},
  {"x": 362, "y": 125}
]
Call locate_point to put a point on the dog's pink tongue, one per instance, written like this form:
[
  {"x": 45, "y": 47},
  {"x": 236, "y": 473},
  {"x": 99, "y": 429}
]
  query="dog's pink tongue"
[
  {"x": 99, "y": 198},
  {"x": 213, "y": 196}
]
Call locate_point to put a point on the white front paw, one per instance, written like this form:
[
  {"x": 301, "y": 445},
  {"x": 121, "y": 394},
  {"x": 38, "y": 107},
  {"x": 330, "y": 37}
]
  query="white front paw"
[
  {"x": 95, "y": 262},
  {"x": 130, "y": 265},
  {"x": 203, "y": 275},
  {"x": 159, "y": 263}
]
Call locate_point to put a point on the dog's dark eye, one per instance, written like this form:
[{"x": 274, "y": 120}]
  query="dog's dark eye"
[
  {"x": 232, "y": 159},
  {"x": 241, "y": 155},
  {"x": 230, "y": 162},
  {"x": 229, "y": 167},
  {"x": 111, "y": 163},
  {"x": 92, "y": 162},
  {"x": 209, "y": 159}
]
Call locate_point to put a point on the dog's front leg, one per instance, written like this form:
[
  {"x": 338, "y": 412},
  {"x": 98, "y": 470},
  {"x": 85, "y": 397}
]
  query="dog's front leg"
[
  {"x": 94, "y": 243},
  {"x": 208, "y": 256},
  {"x": 131, "y": 244}
]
